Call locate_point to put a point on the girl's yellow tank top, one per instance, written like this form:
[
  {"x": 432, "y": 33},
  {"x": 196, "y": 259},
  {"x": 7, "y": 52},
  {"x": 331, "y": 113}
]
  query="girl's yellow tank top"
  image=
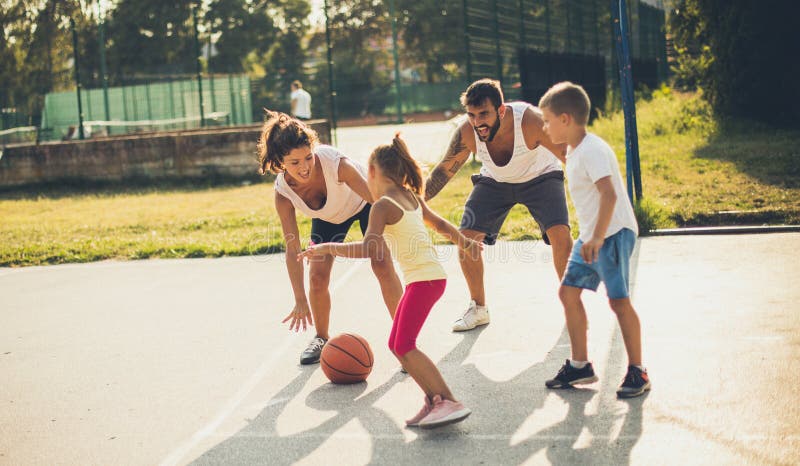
[{"x": 411, "y": 246}]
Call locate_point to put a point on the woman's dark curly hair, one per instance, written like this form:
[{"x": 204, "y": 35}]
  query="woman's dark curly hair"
[{"x": 279, "y": 136}]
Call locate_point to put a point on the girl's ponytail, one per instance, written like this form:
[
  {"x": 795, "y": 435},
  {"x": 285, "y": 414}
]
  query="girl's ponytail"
[{"x": 396, "y": 163}]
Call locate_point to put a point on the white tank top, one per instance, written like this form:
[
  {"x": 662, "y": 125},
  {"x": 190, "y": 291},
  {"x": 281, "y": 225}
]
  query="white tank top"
[
  {"x": 341, "y": 203},
  {"x": 525, "y": 164}
]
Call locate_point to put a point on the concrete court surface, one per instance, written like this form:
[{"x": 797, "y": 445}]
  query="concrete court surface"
[
  {"x": 186, "y": 362},
  {"x": 427, "y": 142}
]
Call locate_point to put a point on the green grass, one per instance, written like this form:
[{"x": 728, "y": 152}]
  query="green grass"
[
  {"x": 697, "y": 170},
  {"x": 693, "y": 168}
]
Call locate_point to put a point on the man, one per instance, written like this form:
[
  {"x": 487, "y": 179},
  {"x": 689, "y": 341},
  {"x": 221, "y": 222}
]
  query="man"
[
  {"x": 520, "y": 166},
  {"x": 301, "y": 101}
]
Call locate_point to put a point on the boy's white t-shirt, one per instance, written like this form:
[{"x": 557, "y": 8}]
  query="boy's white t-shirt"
[
  {"x": 590, "y": 161},
  {"x": 303, "y": 106}
]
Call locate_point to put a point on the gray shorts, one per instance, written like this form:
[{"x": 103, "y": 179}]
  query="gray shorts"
[{"x": 490, "y": 201}]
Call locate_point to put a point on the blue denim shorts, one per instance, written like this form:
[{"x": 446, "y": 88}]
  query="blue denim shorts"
[{"x": 611, "y": 267}]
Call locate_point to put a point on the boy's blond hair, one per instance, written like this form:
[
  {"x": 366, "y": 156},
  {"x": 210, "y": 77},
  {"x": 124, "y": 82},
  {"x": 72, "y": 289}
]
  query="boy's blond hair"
[{"x": 569, "y": 98}]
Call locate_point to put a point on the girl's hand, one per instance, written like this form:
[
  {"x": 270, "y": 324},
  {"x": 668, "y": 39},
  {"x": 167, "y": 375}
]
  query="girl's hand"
[
  {"x": 314, "y": 250},
  {"x": 472, "y": 247},
  {"x": 299, "y": 315}
]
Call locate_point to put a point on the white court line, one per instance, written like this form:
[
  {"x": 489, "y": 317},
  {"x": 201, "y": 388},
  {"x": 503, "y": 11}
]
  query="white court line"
[
  {"x": 233, "y": 404},
  {"x": 570, "y": 438}
]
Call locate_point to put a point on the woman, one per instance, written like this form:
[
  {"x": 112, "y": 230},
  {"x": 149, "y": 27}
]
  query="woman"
[{"x": 322, "y": 183}]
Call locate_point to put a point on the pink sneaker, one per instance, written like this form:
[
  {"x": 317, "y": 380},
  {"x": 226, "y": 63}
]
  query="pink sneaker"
[
  {"x": 444, "y": 412},
  {"x": 424, "y": 411}
]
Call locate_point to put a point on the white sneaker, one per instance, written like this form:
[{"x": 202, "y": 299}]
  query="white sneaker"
[{"x": 475, "y": 316}]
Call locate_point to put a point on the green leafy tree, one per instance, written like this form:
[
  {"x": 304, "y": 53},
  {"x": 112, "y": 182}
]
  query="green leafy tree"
[
  {"x": 238, "y": 28},
  {"x": 148, "y": 37},
  {"x": 284, "y": 61},
  {"x": 361, "y": 39},
  {"x": 688, "y": 28},
  {"x": 37, "y": 52},
  {"x": 752, "y": 49},
  {"x": 12, "y": 16},
  {"x": 432, "y": 37}
]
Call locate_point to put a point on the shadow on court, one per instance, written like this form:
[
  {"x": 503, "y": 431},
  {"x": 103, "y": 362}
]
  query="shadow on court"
[{"x": 487, "y": 436}]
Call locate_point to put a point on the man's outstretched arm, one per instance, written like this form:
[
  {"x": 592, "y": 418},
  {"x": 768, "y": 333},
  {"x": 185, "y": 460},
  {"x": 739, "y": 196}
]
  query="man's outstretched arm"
[{"x": 455, "y": 157}]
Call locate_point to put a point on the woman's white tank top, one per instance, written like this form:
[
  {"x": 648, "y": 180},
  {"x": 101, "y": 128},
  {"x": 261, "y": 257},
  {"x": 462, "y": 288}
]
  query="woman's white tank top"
[{"x": 341, "y": 203}]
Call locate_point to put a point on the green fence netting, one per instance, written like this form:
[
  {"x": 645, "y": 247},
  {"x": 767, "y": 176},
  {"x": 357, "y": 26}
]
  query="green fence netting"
[{"x": 148, "y": 107}]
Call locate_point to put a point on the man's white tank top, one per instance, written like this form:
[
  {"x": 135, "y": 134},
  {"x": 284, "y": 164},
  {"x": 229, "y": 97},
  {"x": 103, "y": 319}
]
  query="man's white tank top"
[
  {"x": 342, "y": 202},
  {"x": 525, "y": 164}
]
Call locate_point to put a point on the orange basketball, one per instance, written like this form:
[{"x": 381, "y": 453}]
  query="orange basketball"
[{"x": 346, "y": 358}]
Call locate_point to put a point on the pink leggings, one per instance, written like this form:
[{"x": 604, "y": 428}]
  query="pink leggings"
[{"x": 413, "y": 309}]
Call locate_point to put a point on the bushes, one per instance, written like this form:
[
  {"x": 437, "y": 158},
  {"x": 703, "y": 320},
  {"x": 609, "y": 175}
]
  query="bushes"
[{"x": 651, "y": 216}]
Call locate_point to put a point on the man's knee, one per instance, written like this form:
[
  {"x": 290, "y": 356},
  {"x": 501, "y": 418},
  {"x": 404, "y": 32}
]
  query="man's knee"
[{"x": 559, "y": 236}]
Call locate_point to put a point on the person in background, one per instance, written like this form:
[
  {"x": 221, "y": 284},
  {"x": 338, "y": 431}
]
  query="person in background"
[{"x": 301, "y": 101}]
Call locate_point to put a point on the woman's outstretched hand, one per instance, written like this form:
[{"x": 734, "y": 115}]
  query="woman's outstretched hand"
[{"x": 300, "y": 315}]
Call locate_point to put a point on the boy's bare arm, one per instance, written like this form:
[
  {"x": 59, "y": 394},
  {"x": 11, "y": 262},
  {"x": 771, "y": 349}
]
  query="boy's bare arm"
[
  {"x": 455, "y": 157},
  {"x": 608, "y": 199}
]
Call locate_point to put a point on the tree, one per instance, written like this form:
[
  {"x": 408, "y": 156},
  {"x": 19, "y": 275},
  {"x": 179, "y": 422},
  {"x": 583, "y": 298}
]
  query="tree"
[
  {"x": 240, "y": 27},
  {"x": 432, "y": 36},
  {"x": 150, "y": 37},
  {"x": 11, "y": 23},
  {"x": 753, "y": 68},
  {"x": 689, "y": 32},
  {"x": 36, "y": 51},
  {"x": 284, "y": 60},
  {"x": 361, "y": 38}
]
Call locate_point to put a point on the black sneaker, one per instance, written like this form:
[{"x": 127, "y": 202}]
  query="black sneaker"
[
  {"x": 635, "y": 384},
  {"x": 313, "y": 351},
  {"x": 568, "y": 376}
]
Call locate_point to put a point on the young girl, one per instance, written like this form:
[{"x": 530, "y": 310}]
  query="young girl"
[
  {"x": 395, "y": 180},
  {"x": 321, "y": 182}
]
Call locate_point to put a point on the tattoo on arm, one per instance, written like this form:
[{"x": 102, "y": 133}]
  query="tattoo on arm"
[
  {"x": 452, "y": 162},
  {"x": 436, "y": 182}
]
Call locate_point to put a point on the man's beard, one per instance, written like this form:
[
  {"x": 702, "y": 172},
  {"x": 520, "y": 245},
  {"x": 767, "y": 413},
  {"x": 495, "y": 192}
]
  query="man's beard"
[{"x": 492, "y": 131}]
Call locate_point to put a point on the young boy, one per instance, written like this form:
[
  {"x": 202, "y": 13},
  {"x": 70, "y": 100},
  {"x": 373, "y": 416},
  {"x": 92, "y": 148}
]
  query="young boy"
[{"x": 608, "y": 232}]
